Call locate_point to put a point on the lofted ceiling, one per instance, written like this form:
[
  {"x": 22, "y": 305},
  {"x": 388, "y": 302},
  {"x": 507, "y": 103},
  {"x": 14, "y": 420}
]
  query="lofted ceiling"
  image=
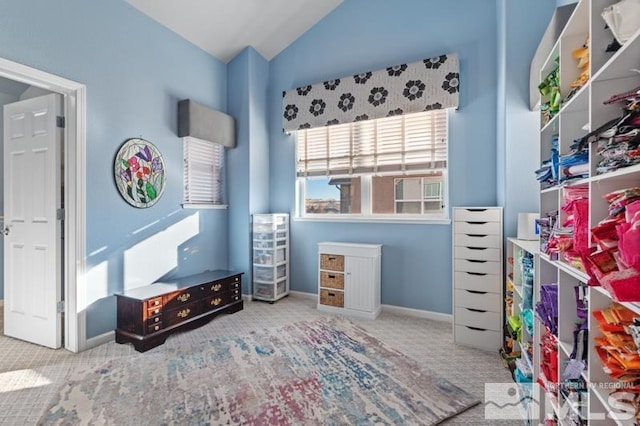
[{"x": 225, "y": 27}]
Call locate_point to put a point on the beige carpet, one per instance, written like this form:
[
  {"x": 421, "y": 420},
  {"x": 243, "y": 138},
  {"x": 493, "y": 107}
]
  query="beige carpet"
[{"x": 32, "y": 376}]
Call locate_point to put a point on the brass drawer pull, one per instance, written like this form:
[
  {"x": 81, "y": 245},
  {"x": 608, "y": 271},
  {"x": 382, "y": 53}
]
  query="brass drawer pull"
[
  {"x": 216, "y": 287},
  {"x": 184, "y": 313},
  {"x": 156, "y": 311},
  {"x": 184, "y": 297},
  {"x": 216, "y": 301}
]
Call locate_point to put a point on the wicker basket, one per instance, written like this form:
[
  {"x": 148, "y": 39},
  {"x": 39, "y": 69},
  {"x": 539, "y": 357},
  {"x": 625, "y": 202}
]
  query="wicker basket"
[
  {"x": 332, "y": 298},
  {"x": 332, "y": 262},
  {"x": 331, "y": 280}
]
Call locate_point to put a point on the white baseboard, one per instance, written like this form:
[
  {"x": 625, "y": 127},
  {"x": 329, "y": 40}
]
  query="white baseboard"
[
  {"x": 247, "y": 297},
  {"x": 417, "y": 313},
  {"x": 2, "y": 302},
  {"x": 304, "y": 295},
  {"x": 100, "y": 340}
]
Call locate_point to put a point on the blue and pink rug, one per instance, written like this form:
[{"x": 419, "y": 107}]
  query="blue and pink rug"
[{"x": 325, "y": 372}]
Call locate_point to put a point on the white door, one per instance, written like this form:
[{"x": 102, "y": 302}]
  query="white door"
[
  {"x": 32, "y": 240},
  {"x": 359, "y": 285}
]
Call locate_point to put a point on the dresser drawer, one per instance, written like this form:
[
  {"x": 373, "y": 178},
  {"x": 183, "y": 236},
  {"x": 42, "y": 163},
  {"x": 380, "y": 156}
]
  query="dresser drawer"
[
  {"x": 154, "y": 311},
  {"x": 478, "y": 318},
  {"x": 184, "y": 297},
  {"x": 477, "y": 215},
  {"x": 477, "y": 253},
  {"x": 155, "y": 302},
  {"x": 183, "y": 313},
  {"x": 221, "y": 286},
  {"x": 216, "y": 301},
  {"x": 478, "y": 337},
  {"x": 477, "y": 281},
  {"x": 234, "y": 292},
  {"x": 215, "y": 287},
  {"x": 154, "y": 320},
  {"x": 332, "y": 280},
  {"x": 481, "y": 266},
  {"x": 478, "y": 300},
  {"x": 477, "y": 240},
  {"x": 234, "y": 297},
  {"x": 234, "y": 283},
  {"x": 152, "y": 328},
  {"x": 485, "y": 228}
]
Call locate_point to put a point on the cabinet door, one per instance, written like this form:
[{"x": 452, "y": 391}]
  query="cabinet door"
[{"x": 360, "y": 279}]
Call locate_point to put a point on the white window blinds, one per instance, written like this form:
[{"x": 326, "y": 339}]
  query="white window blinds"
[
  {"x": 203, "y": 161},
  {"x": 398, "y": 143}
]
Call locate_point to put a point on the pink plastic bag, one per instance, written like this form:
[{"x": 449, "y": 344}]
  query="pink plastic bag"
[
  {"x": 581, "y": 224},
  {"x": 629, "y": 244}
]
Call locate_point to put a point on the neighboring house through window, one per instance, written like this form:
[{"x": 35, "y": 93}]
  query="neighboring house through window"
[{"x": 390, "y": 168}]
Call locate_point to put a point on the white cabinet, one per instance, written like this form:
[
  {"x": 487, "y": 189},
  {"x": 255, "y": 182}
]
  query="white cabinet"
[
  {"x": 576, "y": 126},
  {"x": 349, "y": 278},
  {"x": 270, "y": 240},
  {"x": 477, "y": 276}
]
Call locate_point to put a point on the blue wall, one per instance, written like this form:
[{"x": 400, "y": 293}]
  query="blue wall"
[
  {"x": 364, "y": 35},
  {"x": 522, "y": 26},
  {"x": 135, "y": 71},
  {"x": 248, "y": 163}
]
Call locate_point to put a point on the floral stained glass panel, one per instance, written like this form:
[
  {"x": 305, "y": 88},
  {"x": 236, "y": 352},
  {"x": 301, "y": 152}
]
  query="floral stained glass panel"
[{"x": 139, "y": 173}]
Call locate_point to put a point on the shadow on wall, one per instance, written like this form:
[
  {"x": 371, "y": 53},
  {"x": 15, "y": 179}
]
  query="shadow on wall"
[{"x": 162, "y": 249}]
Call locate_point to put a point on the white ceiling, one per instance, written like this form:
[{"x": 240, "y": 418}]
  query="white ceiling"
[{"x": 225, "y": 27}]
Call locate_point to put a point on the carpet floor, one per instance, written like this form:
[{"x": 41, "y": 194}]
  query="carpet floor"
[{"x": 32, "y": 377}]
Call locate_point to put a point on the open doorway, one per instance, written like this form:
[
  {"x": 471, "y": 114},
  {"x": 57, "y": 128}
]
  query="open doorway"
[{"x": 72, "y": 253}]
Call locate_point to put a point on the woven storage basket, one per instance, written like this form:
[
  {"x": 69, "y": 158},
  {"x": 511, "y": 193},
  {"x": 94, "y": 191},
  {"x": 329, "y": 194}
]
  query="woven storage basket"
[
  {"x": 332, "y": 298},
  {"x": 332, "y": 262},
  {"x": 331, "y": 280}
]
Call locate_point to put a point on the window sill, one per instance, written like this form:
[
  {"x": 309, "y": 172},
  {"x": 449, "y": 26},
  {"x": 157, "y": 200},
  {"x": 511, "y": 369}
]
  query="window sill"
[
  {"x": 205, "y": 206},
  {"x": 374, "y": 219}
]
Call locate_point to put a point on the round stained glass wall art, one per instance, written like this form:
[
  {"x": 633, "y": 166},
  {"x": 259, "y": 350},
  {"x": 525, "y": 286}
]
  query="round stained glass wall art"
[{"x": 139, "y": 172}]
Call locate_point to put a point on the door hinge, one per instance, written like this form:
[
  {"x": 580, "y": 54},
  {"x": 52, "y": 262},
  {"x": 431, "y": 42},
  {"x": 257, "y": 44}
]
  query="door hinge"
[
  {"x": 60, "y": 307},
  {"x": 60, "y": 122},
  {"x": 60, "y": 214}
]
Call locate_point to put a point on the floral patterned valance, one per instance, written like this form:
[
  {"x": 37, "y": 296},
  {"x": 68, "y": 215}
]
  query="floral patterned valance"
[{"x": 402, "y": 89}]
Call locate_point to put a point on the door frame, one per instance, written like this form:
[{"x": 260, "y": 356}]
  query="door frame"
[{"x": 74, "y": 265}]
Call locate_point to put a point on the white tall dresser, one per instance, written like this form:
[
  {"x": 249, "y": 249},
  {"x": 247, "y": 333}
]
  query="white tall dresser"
[{"x": 477, "y": 276}]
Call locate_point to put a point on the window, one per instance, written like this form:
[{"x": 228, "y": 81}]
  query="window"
[
  {"x": 390, "y": 168},
  {"x": 203, "y": 165}
]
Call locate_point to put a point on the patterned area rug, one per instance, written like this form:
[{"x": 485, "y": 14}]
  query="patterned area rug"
[{"x": 325, "y": 372}]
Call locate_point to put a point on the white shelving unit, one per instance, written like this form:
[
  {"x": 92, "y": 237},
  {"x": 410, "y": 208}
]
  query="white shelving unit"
[
  {"x": 520, "y": 282},
  {"x": 584, "y": 112},
  {"x": 270, "y": 236}
]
